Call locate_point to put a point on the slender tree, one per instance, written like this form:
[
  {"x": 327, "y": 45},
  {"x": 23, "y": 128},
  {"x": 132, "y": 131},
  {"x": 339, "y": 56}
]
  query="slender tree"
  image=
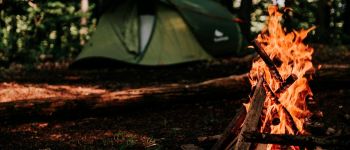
[
  {"x": 84, "y": 7},
  {"x": 346, "y": 17},
  {"x": 244, "y": 13},
  {"x": 323, "y": 19}
]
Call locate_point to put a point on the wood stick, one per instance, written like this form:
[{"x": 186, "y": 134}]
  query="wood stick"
[
  {"x": 286, "y": 84},
  {"x": 275, "y": 98},
  {"x": 305, "y": 141},
  {"x": 251, "y": 121},
  {"x": 232, "y": 130},
  {"x": 269, "y": 63},
  {"x": 232, "y": 144}
]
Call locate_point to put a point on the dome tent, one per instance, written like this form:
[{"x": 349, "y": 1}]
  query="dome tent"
[{"x": 172, "y": 32}]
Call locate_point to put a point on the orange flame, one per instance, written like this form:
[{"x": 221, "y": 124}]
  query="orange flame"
[{"x": 295, "y": 58}]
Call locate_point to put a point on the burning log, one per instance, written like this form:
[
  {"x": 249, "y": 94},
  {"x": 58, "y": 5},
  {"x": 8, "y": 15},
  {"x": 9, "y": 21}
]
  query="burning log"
[
  {"x": 251, "y": 121},
  {"x": 286, "y": 84},
  {"x": 269, "y": 63},
  {"x": 231, "y": 130},
  {"x": 305, "y": 141},
  {"x": 275, "y": 98}
]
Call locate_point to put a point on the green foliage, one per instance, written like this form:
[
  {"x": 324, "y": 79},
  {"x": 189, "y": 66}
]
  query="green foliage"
[
  {"x": 34, "y": 31},
  {"x": 305, "y": 14}
]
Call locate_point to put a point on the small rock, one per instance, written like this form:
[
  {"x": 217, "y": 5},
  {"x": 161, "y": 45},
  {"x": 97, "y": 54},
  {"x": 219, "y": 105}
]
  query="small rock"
[
  {"x": 318, "y": 148},
  {"x": 347, "y": 116},
  {"x": 176, "y": 129},
  {"x": 319, "y": 124},
  {"x": 108, "y": 134},
  {"x": 318, "y": 114},
  {"x": 339, "y": 132},
  {"x": 190, "y": 147},
  {"x": 330, "y": 131}
]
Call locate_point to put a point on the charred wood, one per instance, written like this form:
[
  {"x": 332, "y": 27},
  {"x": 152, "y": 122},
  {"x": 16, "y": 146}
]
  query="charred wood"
[
  {"x": 305, "y": 141},
  {"x": 286, "y": 84},
  {"x": 231, "y": 131},
  {"x": 275, "y": 99},
  {"x": 269, "y": 63},
  {"x": 251, "y": 121}
]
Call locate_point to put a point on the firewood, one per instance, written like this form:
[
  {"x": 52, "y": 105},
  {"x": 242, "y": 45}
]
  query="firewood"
[
  {"x": 251, "y": 121},
  {"x": 286, "y": 84},
  {"x": 232, "y": 130},
  {"x": 275, "y": 99},
  {"x": 305, "y": 140},
  {"x": 269, "y": 63}
]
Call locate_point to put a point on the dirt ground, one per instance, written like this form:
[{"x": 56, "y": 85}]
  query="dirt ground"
[{"x": 158, "y": 126}]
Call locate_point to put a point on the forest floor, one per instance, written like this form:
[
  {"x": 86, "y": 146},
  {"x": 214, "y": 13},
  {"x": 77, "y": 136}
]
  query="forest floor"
[{"x": 156, "y": 126}]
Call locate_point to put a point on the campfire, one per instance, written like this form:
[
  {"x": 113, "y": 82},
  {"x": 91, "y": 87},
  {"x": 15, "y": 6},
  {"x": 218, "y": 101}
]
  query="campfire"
[
  {"x": 279, "y": 79},
  {"x": 283, "y": 64}
]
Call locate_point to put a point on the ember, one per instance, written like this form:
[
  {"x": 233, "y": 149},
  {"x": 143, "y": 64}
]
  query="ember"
[{"x": 285, "y": 108}]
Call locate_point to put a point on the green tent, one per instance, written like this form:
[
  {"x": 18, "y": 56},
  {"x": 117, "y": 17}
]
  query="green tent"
[{"x": 168, "y": 32}]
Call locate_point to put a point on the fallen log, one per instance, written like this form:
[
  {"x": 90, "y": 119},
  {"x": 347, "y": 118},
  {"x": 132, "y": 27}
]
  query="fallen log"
[
  {"x": 250, "y": 123},
  {"x": 220, "y": 88},
  {"x": 334, "y": 76},
  {"x": 305, "y": 141},
  {"x": 118, "y": 100}
]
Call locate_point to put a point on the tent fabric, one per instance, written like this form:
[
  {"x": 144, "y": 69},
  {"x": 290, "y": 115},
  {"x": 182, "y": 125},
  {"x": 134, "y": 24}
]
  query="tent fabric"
[
  {"x": 177, "y": 35},
  {"x": 172, "y": 41},
  {"x": 214, "y": 29}
]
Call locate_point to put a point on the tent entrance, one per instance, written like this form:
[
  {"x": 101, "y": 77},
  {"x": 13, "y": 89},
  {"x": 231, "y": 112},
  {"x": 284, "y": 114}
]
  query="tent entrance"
[
  {"x": 147, "y": 18},
  {"x": 147, "y": 23}
]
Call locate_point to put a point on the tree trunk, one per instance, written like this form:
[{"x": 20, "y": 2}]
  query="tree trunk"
[
  {"x": 219, "y": 88},
  {"x": 122, "y": 100},
  {"x": 323, "y": 19},
  {"x": 84, "y": 20},
  {"x": 84, "y": 4},
  {"x": 244, "y": 13},
  {"x": 346, "y": 17},
  {"x": 288, "y": 21}
]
